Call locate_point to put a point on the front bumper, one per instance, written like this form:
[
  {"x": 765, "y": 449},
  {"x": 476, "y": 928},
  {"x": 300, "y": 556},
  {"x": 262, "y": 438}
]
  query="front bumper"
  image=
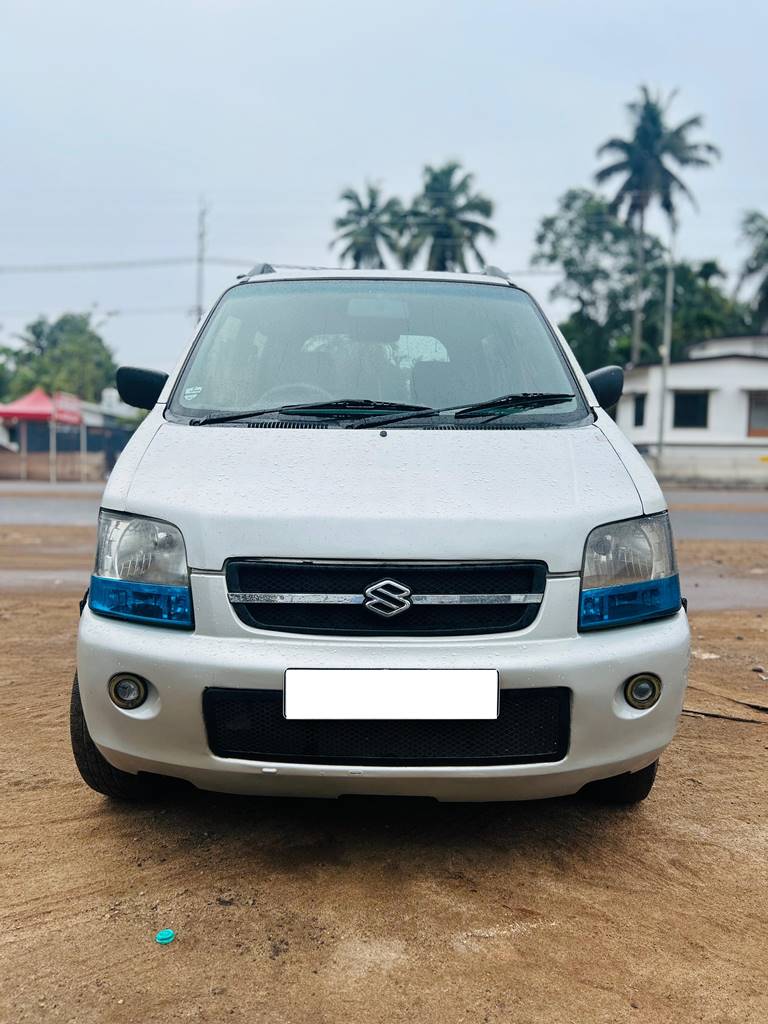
[{"x": 167, "y": 734}]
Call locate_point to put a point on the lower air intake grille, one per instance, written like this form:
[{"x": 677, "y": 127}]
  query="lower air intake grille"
[{"x": 533, "y": 726}]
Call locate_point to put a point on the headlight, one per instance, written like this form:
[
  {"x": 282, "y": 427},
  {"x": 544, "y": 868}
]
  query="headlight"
[
  {"x": 141, "y": 572},
  {"x": 629, "y": 573}
]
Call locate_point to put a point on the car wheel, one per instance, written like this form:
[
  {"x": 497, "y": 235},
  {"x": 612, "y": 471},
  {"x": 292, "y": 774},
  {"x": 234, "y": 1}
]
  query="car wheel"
[
  {"x": 95, "y": 770},
  {"x": 630, "y": 788}
]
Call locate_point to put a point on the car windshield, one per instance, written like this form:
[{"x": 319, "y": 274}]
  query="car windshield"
[{"x": 414, "y": 343}]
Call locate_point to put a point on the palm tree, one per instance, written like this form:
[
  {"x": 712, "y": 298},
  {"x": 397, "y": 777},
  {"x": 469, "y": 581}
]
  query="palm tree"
[
  {"x": 754, "y": 231},
  {"x": 643, "y": 162},
  {"x": 448, "y": 218},
  {"x": 367, "y": 225}
]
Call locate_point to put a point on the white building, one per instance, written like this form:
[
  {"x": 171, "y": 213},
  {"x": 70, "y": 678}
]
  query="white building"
[
  {"x": 715, "y": 415},
  {"x": 107, "y": 411}
]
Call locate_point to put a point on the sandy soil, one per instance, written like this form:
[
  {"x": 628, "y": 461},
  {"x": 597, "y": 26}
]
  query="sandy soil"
[
  {"x": 368, "y": 911},
  {"x": 727, "y": 557},
  {"x": 24, "y": 548},
  {"x": 748, "y": 508}
]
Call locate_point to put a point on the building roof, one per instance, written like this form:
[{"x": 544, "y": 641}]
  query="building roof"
[
  {"x": 700, "y": 359},
  {"x": 37, "y": 406},
  {"x": 749, "y": 345}
]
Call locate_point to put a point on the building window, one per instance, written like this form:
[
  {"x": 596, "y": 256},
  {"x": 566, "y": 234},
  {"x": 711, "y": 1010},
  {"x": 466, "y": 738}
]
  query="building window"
[
  {"x": 691, "y": 409},
  {"x": 758, "y": 414},
  {"x": 639, "y": 410}
]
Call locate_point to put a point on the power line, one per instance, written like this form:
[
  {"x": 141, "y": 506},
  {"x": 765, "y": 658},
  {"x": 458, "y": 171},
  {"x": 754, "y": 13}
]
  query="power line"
[
  {"x": 231, "y": 262},
  {"x": 63, "y": 268},
  {"x": 130, "y": 311}
]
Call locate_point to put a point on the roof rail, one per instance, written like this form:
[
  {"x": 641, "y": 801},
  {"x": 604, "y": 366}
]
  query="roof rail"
[
  {"x": 260, "y": 268},
  {"x": 492, "y": 271},
  {"x": 272, "y": 268}
]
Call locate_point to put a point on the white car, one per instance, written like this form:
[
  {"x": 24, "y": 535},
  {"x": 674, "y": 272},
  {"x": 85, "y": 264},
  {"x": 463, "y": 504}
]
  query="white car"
[{"x": 378, "y": 535}]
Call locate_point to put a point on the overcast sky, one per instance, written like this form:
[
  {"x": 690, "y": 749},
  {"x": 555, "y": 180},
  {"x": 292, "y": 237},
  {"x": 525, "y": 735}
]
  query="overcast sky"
[{"x": 115, "y": 118}]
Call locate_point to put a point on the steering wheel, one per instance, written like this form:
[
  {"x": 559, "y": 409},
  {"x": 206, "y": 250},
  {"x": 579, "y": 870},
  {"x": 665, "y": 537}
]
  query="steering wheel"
[{"x": 294, "y": 394}]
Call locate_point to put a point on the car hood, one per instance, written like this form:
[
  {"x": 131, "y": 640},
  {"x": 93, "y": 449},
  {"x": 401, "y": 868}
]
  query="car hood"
[{"x": 370, "y": 494}]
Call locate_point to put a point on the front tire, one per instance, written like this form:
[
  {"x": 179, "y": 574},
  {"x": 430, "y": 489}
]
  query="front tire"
[
  {"x": 626, "y": 789},
  {"x": 94, "y": 768}
]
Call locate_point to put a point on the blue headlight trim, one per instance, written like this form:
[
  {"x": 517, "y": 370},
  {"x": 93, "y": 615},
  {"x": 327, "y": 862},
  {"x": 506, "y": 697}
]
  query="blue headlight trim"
[
  {"x": 603, "y": 607},
  {"x": 150, "y": 603}
]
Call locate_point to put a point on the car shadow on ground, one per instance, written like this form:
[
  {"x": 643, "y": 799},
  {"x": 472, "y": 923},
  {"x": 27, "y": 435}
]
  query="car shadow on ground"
[{"x": 290, "y": 834}]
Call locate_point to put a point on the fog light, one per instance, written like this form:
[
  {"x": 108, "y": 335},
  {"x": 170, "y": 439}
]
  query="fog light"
[
  {"x": 127, "y": 690},
  {"x": 642, "y": 691}
]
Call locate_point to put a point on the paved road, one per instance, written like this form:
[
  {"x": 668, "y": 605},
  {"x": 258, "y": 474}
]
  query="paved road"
[
  {"x": 49, "y": 504},
  {"x": 718, "y": 515},
  {"x": 698, "y": 515}
]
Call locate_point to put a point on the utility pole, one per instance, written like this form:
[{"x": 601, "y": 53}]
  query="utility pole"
[
  {"x": 202, "y": 213},
  {"x": 666, "y": 348},
  {"x": 637, "y": 312}
]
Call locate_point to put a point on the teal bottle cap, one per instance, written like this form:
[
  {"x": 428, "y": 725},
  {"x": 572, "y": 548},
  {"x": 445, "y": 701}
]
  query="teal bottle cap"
[{"x": 165, "y": 936}]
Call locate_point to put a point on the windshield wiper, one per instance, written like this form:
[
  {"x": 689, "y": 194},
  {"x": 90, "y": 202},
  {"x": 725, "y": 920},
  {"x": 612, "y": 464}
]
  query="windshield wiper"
[
  {"x": 504, "y": 403},
  {"x": 312, "y": 409},
  {"x": 509, "y": 403},
  {"x": 232, "y": 417},
  {"x": 352, "y": 404}
]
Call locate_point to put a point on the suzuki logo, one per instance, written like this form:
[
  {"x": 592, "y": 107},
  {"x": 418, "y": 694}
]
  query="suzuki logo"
[{"x": 387, "y": 598}]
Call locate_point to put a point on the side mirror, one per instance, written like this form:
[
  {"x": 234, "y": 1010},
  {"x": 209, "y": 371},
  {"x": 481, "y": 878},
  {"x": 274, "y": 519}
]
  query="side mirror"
[
  {"x": 607, "y": 384},
  {"x": 140, "y": 388}
]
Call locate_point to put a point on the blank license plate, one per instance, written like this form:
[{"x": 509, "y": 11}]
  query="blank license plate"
[{"x": 391, "y": 693}]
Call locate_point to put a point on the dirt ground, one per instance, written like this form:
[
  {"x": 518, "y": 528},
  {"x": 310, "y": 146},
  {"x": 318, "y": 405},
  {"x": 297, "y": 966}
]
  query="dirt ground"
[{"x": 294, "y": 912}]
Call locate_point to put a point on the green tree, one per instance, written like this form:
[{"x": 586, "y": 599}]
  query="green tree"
[
  {"x": 644, "y": 165},
  {"x": 67, "y": 354},
  {"x": 5, "y": 372},
  {"x": 754, "y": 231},
  {"x": 368, "y": 225},
  {"x": 447, "y": 218},
  {"x": 596, "y": 254},
  {"x": 702, "y": 308}
]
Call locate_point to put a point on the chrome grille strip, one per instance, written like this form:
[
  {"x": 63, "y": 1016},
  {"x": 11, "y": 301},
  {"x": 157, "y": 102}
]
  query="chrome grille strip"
[
  {"x": 240, "y": 597},
  {"x": 236, "y": 597},
  {"x": 477, "y": 598}
]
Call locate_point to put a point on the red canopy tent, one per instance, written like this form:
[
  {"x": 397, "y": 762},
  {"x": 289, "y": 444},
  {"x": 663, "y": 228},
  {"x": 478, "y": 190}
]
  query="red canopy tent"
[{"x": 38, "y": 407}]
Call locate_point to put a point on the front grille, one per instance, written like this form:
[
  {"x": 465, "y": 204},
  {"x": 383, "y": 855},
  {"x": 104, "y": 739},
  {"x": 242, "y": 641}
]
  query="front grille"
[
  {"x": 284, "y": 596},
  {"x": 533, "y": 726}
]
